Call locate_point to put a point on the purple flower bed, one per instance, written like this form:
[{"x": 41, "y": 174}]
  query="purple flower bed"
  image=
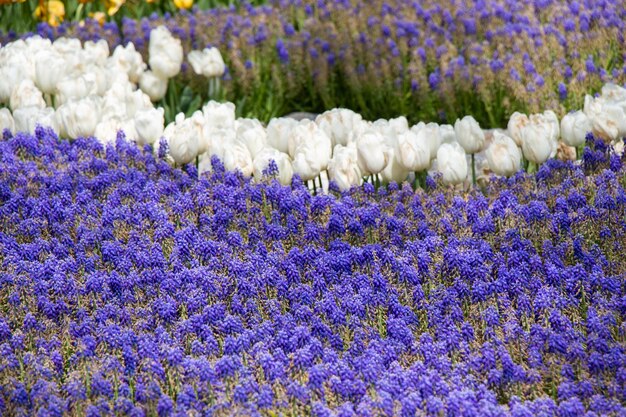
[
  {"x": 430, "y": 60},
  {"x": 132, "y": 288}
]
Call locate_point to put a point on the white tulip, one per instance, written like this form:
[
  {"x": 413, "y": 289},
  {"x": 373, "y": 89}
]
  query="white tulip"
[
  {"x": 153, "y": 85},
  {"x": 503, "y": 155},
  {"x": 220, "y": 139},
  {"x": 100, "y": 76},
  {"x": 238, "y": 158},
  {"x": 278, "y": 131},
  {"x": 252, "y": 134},
  {"x": 451, "y": 163},
  {"x": 182, "y": 138},
  {"x": 338, "y": 124},
  {"x": 28, "y": 118},
  {"x": 307, "y": 130},
  {"x": 135, "y": 101},
  {"x": 312, "y": 154},
  {"x": 391, "y": 128},
  {"x": 549, "y": 118},
  {"x": 208, "y": 62},
  {"x": 106, "y": 131},
  {"x": 399, "y": 124},
  {"x": 10, "y": 78},
  {"x": 469, "y": 134},
  {"x": 394, "y": 170},
  {"x": 614, "y": 93},
  {"x": 116, "y": 76},
  {"x": 49, "y": 70},
  {"x": 96, "y": 53},
  {"x": 26, "y": 95},
  {"x": 574, "y": 128},
  {"x": 537, "y": 144},
  {"x": 6, "y": 121},
  {"x": 75, "y": 88},
  {"x": 149, "y": 125},
  {"x": 607, "y": 118},
  {"x": 79, "y": 118},
  {"x": 204, "y": 131},
  {"x": 413, "y": 153},
  {"x": 166, "y": 53},
  {"x": 219, "y": 115},
  {"x": 343, "y": 168},
  {"x": 517, "y": 121},
  {"x": 446, "y": 134},
  {"x": 66, "y": 46},
  {"x": 128, "y": 60},
  {"x": 551, "y": 123},
  {"x": 372, "y": 151},
  {"x": 37, "y": 43},
  {"x": 283, "y": 163},
  {"x": 430, "y": 136}
]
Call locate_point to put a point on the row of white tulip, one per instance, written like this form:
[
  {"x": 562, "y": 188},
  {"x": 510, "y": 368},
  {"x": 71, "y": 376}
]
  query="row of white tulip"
[
  {"x": 96, "y": 94},
  {"x": 81, "y": 90}
]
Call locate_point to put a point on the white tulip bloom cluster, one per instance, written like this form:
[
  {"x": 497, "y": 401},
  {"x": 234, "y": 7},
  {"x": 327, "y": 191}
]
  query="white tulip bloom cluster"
[
  {"x": 80, "y": 90},
  {"x": 338, "y": 145}
]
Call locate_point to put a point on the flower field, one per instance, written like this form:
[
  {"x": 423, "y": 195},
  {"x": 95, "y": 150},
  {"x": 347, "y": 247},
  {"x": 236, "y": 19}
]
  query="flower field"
[
  {"x": 132, "y": 288},
  {"x": 328, "y": 209}
]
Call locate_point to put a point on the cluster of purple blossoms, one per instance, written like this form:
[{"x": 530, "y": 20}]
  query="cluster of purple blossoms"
[
  {"x": 440, "y": 61},
  {"x": 132, "y": 288}
]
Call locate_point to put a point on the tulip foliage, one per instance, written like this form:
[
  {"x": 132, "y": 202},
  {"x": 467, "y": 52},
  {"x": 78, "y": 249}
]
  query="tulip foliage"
[{"x": 129, "y": 287}]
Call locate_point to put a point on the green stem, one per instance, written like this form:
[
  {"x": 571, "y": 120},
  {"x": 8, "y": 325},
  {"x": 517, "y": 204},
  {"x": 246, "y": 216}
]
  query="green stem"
[
  {"x": 473, "y": 169},
  {"x": 79, "y": 12},
  {"x": 319, "y": 177}
]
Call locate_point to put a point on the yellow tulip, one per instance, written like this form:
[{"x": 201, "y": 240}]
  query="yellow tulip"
[
  {"x": 113, "y": 6},
  {"x": 183, "y": 4},
  {"x": 53, "y": 12}
]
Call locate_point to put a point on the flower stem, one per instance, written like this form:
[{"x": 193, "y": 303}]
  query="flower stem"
[{"x": 473, "y": 169}]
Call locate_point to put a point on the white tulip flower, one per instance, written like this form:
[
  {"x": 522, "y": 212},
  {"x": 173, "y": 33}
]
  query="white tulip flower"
[
  {"x": 252, "y": 133},
  {"x": 469, "y": 134},
  {"x": 537, "y": 144},
  {"x": 208, "y": 62},
  {"x": 153, "y": 85},
  {"x": 166, "y": 53},
  {"x": 451, "y": 163},
  {"x": 26, "y": 95},
  {"x": 6, "y": 121},
  {"x": 343, "y": 167},
  {"x": 413, "y": 152},
  {"x": 503, "y": 155},
  {"x": 278, "y": 131},
  {"x": 338, "y": 124},
  {"x": 182, "y": 138},
  {"x": 282, "y": 160},
  {"x": 372, "y": 151},
  {"x": 574, "y": 128},
  {"x": 149, "y": 124}
]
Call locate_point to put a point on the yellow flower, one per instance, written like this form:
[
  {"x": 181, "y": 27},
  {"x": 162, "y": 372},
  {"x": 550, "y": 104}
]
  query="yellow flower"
[
  {"x": 99, "y": 16},
  {"x": 113, "y": 6},
  {"x": 183, "y": 4},
  {"x": 53, "y": 12}
]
